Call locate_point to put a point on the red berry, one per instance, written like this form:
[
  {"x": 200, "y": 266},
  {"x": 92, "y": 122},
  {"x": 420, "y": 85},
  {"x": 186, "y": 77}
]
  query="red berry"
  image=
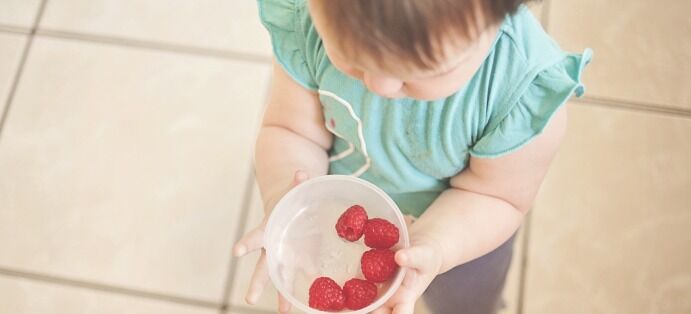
[
  {"x": 352, "y": 223},
  {"x": 326, "y": 295},
  {"x": 359, "y": 293},
  {"x": 378, "y": 265},
  {"x": 380, "y": 234}
]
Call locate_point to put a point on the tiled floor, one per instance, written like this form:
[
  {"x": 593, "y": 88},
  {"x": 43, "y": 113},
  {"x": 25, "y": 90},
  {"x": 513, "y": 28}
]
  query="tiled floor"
[
  {"x": 22, "y": 296},
  {"x": 11, "y": 48},
  {"x": 19, "y": 13},
  {"x": 642, "y": 47},
  {"x": 125, "y": 160},
  {"x": 211, "y": 24},
  {"x": 621, "y": 244},
  {"x": 151, "y": 180}
]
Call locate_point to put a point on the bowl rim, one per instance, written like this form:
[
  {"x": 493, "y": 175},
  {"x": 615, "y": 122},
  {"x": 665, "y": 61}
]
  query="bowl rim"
[{"x": 397, "y": 281}]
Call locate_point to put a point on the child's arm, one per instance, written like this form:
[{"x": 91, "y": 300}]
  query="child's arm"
[
  {"x": 487, "y": 201},
  {"x": 292, "y": 137},
  {"x": 292, "y": 145},
  {"x": 483, "y": 208}
]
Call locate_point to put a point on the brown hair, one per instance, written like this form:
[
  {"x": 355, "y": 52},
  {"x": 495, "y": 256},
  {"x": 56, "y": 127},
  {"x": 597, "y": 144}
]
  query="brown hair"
[{"x": 408, "y": 29}]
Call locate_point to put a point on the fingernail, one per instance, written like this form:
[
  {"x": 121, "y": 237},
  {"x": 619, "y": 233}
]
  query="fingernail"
[
  {"x": 402, "y": 258},
  {"x": 300, "y": 176},
  {"x": 284, "y": 308},
  {"x": 251, "y": 298},
  {"x": 240, "y": 250}
]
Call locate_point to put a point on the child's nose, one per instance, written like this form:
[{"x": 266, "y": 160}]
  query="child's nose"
[{"x": 382, "y": 85}]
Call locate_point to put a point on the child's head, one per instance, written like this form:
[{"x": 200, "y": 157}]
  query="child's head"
[{"x": 424, "y": 49}]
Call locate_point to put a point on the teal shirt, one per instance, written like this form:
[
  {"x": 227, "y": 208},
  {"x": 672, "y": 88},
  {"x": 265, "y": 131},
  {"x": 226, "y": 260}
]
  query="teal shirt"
[{"x": 411, "y": 148}]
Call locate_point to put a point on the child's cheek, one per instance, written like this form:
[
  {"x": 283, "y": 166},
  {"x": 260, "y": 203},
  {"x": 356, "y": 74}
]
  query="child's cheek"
[
  {"x": 358, "y": 75},
  {"x": 348, "y": 70}
]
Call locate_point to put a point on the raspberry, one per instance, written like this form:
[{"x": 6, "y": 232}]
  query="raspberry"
[
  {"x": 378, "y": 265},
  {"x": 352, "y": 223},
  {"x": 380, "y": 234},
  {"x": 359, "y": 293},
  {"x": 326, "y": 295}
]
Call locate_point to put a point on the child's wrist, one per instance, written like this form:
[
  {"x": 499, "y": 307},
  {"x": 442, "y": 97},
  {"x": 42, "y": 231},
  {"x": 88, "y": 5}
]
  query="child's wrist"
[{"x": 272, "y": 195}]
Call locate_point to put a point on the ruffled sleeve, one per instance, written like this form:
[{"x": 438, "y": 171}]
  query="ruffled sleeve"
[
  {"x": 535, "y": 104},
  {"x": 283, "y": 19}
]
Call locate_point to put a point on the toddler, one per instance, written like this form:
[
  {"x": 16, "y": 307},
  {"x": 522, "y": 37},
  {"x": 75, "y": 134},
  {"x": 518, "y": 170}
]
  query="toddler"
[{"x": 453, "y": 107}]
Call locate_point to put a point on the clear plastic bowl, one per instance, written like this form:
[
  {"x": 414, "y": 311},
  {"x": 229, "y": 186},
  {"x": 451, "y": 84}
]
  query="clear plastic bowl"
[{"x": 301, "y": 241}]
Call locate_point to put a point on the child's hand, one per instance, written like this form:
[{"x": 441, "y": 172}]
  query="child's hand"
[
  {"x": 253, "y": 241},
  {"x": 423, "y": 260}
]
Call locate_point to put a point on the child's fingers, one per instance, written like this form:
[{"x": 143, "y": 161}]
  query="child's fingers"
[
  {"x": 299, "y": 177},
  {"x": 283, "y": 304},
  {"x": 250, "y": 242},
  {"x": 410, "y": 278},
  {"x": 254, "y": 239},
  {"x": 404, "y": 308},
  {"x": 417, "y": 257},
  {"x": 259, "y": 279},
  {"x": 405, "y": 294},
  {"x": 382, "y": 310}
]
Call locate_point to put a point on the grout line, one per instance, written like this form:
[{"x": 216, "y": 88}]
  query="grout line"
[
  {"x": 161, "y": 46},
  {"x": 249, "y": 310},
  {"x": 39, "y": 16},
  {"x": 524, "y": 264},
  {"x": 15, "y": 82},
  {"x": 20, "y": 67},
  {"x": 634, "y": 106},
  {"x": 5, "y": 28},
  {"x": 106, "y": 288},
  {"x": 242, "y": 228}
]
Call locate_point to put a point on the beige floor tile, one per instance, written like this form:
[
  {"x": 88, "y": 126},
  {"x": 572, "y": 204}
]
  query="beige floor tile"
[
  {"x": 19, "y": 12},
  {"x": 11, "y": 48},
  {"x": 610, "y": 233},
  {"x": 246, "y": 264},
  {"x": 21, "y": 296},
  {"x": 247, "y": 310},
  {"x": 216, "y": 24},
  {"x": 642, "y": 47},
  {"x": 127, "y": 166}
]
